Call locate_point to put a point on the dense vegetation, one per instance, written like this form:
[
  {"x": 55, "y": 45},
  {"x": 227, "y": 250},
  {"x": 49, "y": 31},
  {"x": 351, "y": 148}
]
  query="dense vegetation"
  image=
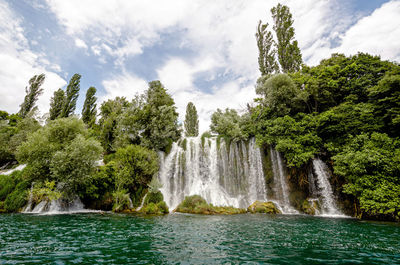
[
  {"x": 63, "y": 157},
  {"x": 346, "y": 111}
]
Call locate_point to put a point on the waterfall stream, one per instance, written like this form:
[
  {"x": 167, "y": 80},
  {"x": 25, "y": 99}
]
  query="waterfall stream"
[
  {"x": 48, "y": 207},
  {"x": 323, "y": 189},
  {"x": 224, "y": 175},
  {"x": 281, "y": 188}
]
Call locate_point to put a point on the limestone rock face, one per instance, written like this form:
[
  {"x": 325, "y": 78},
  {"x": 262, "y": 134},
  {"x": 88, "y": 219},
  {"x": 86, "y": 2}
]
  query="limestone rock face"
[{"x": 263, "y": 207}]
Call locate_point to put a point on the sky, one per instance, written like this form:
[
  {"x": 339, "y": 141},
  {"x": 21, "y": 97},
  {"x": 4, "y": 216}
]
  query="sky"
[{"x": 202, "y": 51}]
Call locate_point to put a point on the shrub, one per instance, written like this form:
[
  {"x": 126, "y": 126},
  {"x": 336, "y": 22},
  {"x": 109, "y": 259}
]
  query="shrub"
[
  {"x": 18, "y": 198},
  {"x": 154, "y": 197},
  {"x": 7, "y": 185}
]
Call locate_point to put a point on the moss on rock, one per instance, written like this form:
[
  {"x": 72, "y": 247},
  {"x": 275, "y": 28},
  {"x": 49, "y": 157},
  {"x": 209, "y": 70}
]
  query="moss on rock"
[
  {"x": 198, "y": 205},
  {"x": 310, "y": 206},
  {"x": 263, "y": 207}
]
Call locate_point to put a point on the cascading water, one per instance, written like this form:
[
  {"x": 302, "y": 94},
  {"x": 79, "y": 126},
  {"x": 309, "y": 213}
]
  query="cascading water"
[
  {"x": 57, "y": 207},
  {"x": 280, "y": 186},
  {"x": 222, "y": 177},
  {"x": 323, "y": 189}
]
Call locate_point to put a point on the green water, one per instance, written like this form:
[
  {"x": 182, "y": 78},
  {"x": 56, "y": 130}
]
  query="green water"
[{"x": 189, "y": 239}]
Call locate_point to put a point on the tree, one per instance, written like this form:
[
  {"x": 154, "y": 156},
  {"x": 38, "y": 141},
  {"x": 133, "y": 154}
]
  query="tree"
[
  {"x": 110, "y": 112},
  {"x": 89, "y": 107},
  {"x": 71, "y": 95},
  {"x": 135, "y": 165},
  {"x": 60, "y": 151},
  {"x": 289, "y": 54},
  {"x": 191, "y": 120},
  {"x": 227, "y": 124},
  {"x": 266, "y": 52},
  {"x": 32, "y": 94},
  {"x": 370, "y": 165},
  {"x": 73, "y": 165},
  {"x": 279, "y": 93},
  {"x": 386, "y": 98},
  {"x": 56, "y": 104},
  {"x": 159, "y": 118}
]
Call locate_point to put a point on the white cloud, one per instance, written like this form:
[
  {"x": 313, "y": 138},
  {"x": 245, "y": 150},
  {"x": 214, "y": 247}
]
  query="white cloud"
[
  {"x": 378, "y": 34},
  {"x": 20, "y": 64},
  {"x": 123, "y": 85},
  {"x": 221, "y": 33},
  {"x": 80, "y": 43}
]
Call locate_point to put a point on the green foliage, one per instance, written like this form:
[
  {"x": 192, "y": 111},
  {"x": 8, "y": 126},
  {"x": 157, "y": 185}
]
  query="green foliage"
[
  {"x": 159, "y": 118},
  {"x": 122, "y": 200},
  {"x": 7, "y": 185},
  {"x": 289, "y": 54},
  {"x": 100, "y": 182},
  {"x": 153, "y": 197},
  {"x": 296, "y": 139},
  {"x": 337, "y": 123},
  {"x": 197, "y": 205},
  {"x": 370, "y": 164},
  {"x": 32, "y": 95},
  {"x": 227, "y": 124},
  {"x": 135, "y": 166},
  {"x": 191, "y": 121},
  {"x": 129, "y": 125},
  {"x": 263, "y": 207},
  {"x": 56, "y": 104},
  {"x": 89, "y": 111},
  {"x": 386, "y": 99},
  {"x": 60, "y": 151},
  {"x": 155, "y": 208},
  {"x": 266, "y": 52},
  {"x": 154, "y": 185},
  {"x": 280, "y": 94},
  {"x": 71, "y": 96},
  {"x": 45, "y": 191},
  {"x": 74, "y": 164},
  {"x": 18, "y": 198},
  {"x": 12, "y": 136}
]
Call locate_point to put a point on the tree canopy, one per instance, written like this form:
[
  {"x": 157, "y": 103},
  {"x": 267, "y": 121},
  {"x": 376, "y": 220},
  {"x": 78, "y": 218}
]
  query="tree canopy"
[{"x": 191, "y": 121}]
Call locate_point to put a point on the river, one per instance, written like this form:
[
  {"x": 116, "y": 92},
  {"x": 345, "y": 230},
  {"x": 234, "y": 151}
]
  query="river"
[{"x": 195, "y": 239}]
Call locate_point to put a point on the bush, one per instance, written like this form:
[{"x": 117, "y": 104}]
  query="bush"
[
  {"x": 163, "y": 208},
  {"x": 122, "y": 200},
  {"x": 155, "y": 208},
  {"x": 18, "y": 198},
  {"x": 154, "y": 197},
  {"x": 7, "y": 185},
  {"x": 197, "y": 205},
  {"x": 135, "y": 166}
]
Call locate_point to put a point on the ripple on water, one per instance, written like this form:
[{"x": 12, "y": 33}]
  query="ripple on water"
[{"x": 113, "y": 238}]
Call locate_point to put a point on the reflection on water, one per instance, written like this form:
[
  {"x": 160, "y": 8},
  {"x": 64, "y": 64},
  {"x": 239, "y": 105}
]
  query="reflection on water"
[{"x": 179, "y": 238}]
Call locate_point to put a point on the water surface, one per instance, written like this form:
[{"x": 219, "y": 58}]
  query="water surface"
[{"x": 192, "y": 239}]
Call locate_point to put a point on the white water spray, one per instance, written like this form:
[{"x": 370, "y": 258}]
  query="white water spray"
[
  {"x": 281, "y": 189},
  {"x": 222, "y": 177},
  {"x": 324, "y": 189}
]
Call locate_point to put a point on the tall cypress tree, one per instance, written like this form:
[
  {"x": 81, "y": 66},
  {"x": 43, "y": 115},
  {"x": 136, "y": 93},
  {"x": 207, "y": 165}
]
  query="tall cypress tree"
[
  {"x": 191, "y": 121},
  {"x": 89, "y": 107},
  {"x": 289, "y": 54},
  {"x": 56, "y": 104},
  {"x": 71, "y": 95},
  {"x": 266, "y": 52},
  {"x": 32, "y": 94}
]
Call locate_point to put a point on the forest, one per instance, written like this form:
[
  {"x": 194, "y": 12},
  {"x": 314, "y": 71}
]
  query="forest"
[{"x": 345, "y": 111}]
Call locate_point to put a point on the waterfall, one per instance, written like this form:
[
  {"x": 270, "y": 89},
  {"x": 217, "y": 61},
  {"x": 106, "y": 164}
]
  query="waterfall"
[
  {"x": 324, "y": 189},
  {"x": 28, "y": 207},
  {"x": 59, "y": 206},
  {"x": 223, "y": 174},
  {"x": 280, "y": 186},
  {"x": 10, "y": 171}
]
